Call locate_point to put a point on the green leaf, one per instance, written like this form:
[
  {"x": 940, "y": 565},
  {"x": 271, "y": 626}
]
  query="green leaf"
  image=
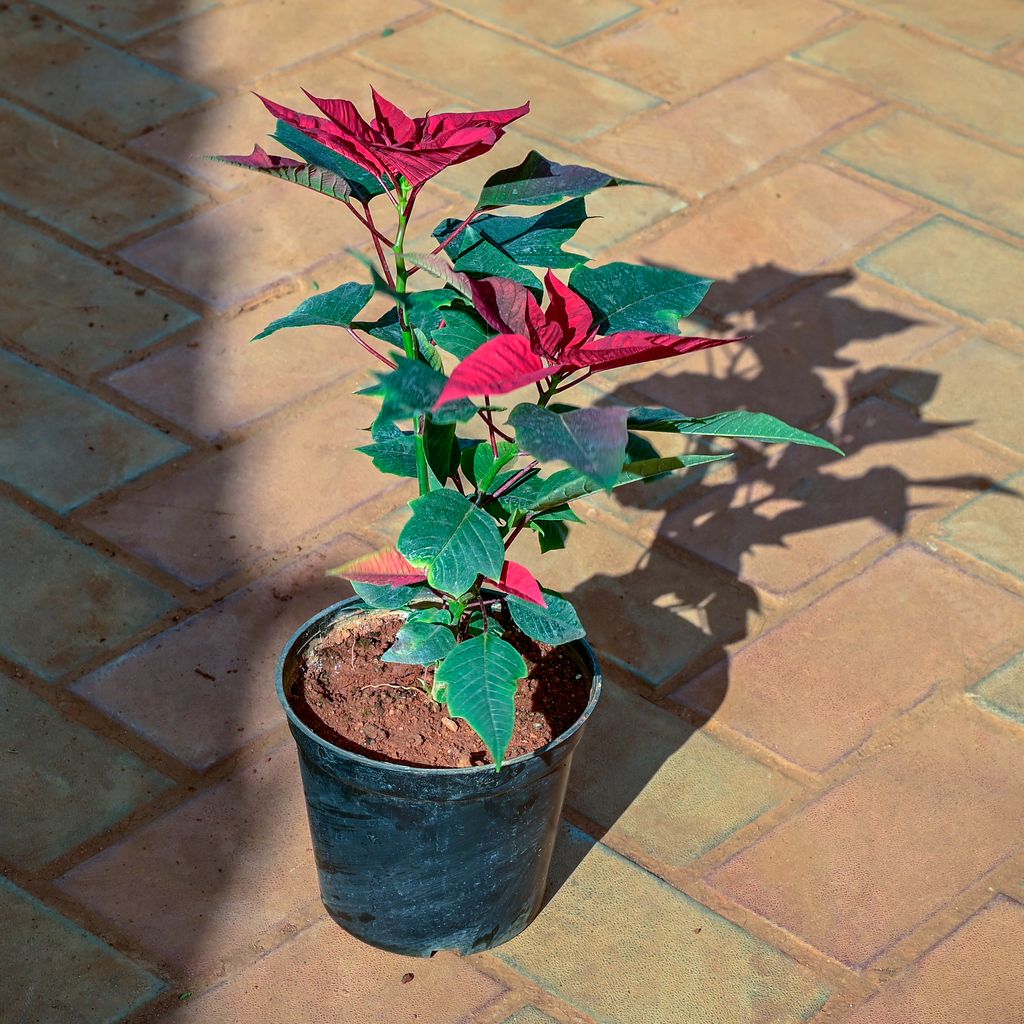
[
  {"x": 463, "y": 333},
  {"x": 756, "y": 426},
  {"x": 389, "y": 598},
  {"x": 538, "y": 181},
  {"x": 627, "y": 297},
  {"x": 363, "y": 184},
  {"x": 551, "y": 533},
  {"x": 592, "y": 441},
  {"x": 312, "y": 177},
  {"x": 441, "y": 451},
  {"x": 414, "y": 388},
  {"x": 555, "y": 625},
  {"x": 487, "y": 465},
  {"x": 424, "y": 638},
  {"x": 527, "y": 241},
  {"x": 480, "y": 678},
  {"x": 452, "y": 540},
  {"x": 485, "y": 259},
  {"x": 441, "y": 268},
  {"x": 393, "y": 450},
  {"x": 336, "y": 308},
  {"x": 476, "y": 621}
]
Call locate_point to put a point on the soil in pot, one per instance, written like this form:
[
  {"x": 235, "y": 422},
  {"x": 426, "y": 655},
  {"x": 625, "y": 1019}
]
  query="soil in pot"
[{"x": 347, "y": 695}]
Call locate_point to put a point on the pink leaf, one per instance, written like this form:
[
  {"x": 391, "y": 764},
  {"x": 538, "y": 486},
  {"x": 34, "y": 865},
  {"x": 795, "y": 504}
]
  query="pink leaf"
[
  {"x": 570, "y": 313},
  {"x": 518, "y": 581},
  {"x": 497, "y": 367},
  {"x": 387, "y": 568},
  {"x": 261, "y": 160},
  {"x": 629, "y": 347},
  {"x": 504, "y": 304}
]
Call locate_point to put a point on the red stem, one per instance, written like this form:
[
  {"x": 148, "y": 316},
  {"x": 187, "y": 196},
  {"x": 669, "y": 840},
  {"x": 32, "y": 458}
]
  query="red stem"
[
  {"x": 490, "y": 427},
  {"x": 373, "y": 352},
  {"x": 455, "y": 234},
  {"x": 512, "y": 481},
  {"x": 377, "y": 238}
]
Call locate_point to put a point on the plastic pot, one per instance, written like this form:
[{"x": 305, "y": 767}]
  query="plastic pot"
[{"x": 416, "y": 860}]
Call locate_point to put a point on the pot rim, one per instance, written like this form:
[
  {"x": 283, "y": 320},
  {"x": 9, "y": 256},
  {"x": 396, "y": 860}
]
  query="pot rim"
[{"x": 404, "y": 769}]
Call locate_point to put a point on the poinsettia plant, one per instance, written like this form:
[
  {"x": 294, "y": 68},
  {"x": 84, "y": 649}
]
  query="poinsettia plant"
[{"x": 489, "y": 327}]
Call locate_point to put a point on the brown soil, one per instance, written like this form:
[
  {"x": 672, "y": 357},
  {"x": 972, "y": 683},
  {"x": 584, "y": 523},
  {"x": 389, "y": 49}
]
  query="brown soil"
[{"x": 347, "y": 695}]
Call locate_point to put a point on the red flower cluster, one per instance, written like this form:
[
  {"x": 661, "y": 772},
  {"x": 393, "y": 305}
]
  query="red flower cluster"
[
  {"x": 394, "y": 143},
  {"x": 537, "y": 343}
]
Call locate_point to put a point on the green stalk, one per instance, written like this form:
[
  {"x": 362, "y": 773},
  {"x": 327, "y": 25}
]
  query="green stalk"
[{"x": 411, "y": 352}]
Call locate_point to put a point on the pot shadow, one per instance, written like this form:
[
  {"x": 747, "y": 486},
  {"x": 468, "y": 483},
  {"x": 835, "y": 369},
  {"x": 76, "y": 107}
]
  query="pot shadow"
[{"x": 820, "y": 357}]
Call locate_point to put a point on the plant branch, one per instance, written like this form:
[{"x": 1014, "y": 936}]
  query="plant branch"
[
  {"x": 377, "y": 239},
  {"x": 572, "y": 383},
  {"x": 488, "y": 419},
  {"x": 455, "y": 234},
  {"x": 373, "y": 352},
  {"x": 517, "y": 479}
]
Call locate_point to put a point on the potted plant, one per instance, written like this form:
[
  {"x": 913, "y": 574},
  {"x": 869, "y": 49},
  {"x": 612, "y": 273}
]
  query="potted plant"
[{"x": 436, "y": 712}]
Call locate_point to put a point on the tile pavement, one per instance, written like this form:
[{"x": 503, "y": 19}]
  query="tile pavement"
[{"x": 841, "y": 835}]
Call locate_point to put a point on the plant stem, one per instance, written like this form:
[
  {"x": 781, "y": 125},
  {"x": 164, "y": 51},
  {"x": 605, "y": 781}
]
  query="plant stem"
[
  {"x": 377, "y": 239},
  {"x": 518, "y": 478},
  {"x": 490, "y": 427},
  {"x": 547, "y": 393},
  {"x": 373, "y": 352}
]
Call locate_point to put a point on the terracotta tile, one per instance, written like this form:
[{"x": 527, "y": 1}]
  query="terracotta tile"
[
  {"x": 904, "y": 66},
  {"x": 816, "y": 687},
  {"x": 876, "y": 855},
  {"x": 577, "y": 103},
  {"x": 63, "y": 469},
  {"x": 63, "y": 603},
  {"x": 215, "y": 875},
  {"x": 807, "y": 358},
  {"x": 230, "y": 44},
  {"x": 206, "y": 688},
  {"x": 976, "y": 973},
  {"x": 252, "y": 499},
  {"x": 125, "y": 19},
  {"x": 63, "y": 783},
  {"x": 667, "y": 53},
  {"x": 344, "y": 979},
  {"x": 915, "y": 154},
  {"x": 72, "y": 310},
  {"x": 976, "y": 384},
  {"x": 787, "y": 523},
  {"x": 55, "y": 972},
  {"x": 679, "y": 953},
  {"x": 217, "y": 381},
  {"x": 662, "y": 785},
  {"x": 1002, "y": 692},
  {"x": 114, "y": 96},
  {"x": 112, "y": 197},
  {"x": 990, "y": 527},
  {"x": 985, "y": 26},
  {"x": 755, "y": 242},
  {"x": 768, "y": 112},
  {"x": 558, "y": 25}
]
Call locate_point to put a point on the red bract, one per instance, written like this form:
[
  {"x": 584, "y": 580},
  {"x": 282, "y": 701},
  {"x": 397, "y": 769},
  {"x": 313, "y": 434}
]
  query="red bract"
[
  {"x": 539, "y": 343},
  {"x": 261, "y": 160},
  {"x": 394, "y": 143},
  {"x": 387, "y": 568},
  {"x": 518, "y": 581}
]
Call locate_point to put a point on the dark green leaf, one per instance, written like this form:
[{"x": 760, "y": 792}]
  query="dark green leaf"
[
  {"x": 463, "y": 333},
  {"x": 485, "y": 259},
  {"x": 310, "y": 176},
  {"x": 363, "y": 184},
  {"x": 439, "y": 443},
  {"x": 451, "y": 540},
  {"x": 336, "y": 308},
  {"x": 424, "y": 639},
  {"x": 627, "y": 297},
  {"x": 556, "y": 624},
  {"x": 486, "y": 465},
  {"x": 413, "y": 389},
  {"x": 551, "y": 533},
  {"x": 389, "y": 598},
  {"x": 538, "y": 181},
  {"x": 480, "y": 678}
]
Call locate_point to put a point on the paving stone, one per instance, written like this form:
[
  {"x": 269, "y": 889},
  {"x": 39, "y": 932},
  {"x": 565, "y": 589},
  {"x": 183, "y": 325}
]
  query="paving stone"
[
  {"x": 111, "y": 197},
  {"x": 676, "y": 794},
  {"x": 1003, "y": 690},
  {"x": 990, "y": 527},
  {"x": 985, "y": 26},
  {"x": 558, "y": 25},
  {"x": 62, "y": 468},
  {"x": 924, "y": 74},
  {"x": 576, "y": 102},
  {"x": 244, "y": 247},
  {"x": 776, "y": 691},
  {"x": 972, "y": 273},
  {"x": 72, "y": 310},
  {"x": 529, "y": 1015},
  {"x": 55, "y": 972},
  {"x": 125, "y": 19},
  {"x": 63, "y": 783},
  {"x": 217, "y": 381},
  {"x": 206, "y": 688},
  {"x": 233, "y": 124},
  {"x": 786, "y": 523},
  {"x": 769, "y": 112},
  {"x": 230, "y": 44},
  {"x": 877, "y": 854},
  {"x": 624, "y": 590},
  {"x": 976, "y": 384},
  {"x": 344, "y": 979},
  {"x": 915, "y": 154},
  {"x": 679, "y": 953},
  {"x": 807, "y": 358},
  {"x": 668, "y": 53},
  {"x": 114, "y": 95},
  {"x": 976, "y": 973},
  {"x": 213, "y": 876},
  {"x": 760, "y": 239},
  {"x": 63, "y": 603},
  {"x": 251, "y": 499}
]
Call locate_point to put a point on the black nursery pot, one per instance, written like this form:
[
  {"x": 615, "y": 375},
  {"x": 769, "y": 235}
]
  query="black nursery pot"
[{"x": 416, "y": 860}]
